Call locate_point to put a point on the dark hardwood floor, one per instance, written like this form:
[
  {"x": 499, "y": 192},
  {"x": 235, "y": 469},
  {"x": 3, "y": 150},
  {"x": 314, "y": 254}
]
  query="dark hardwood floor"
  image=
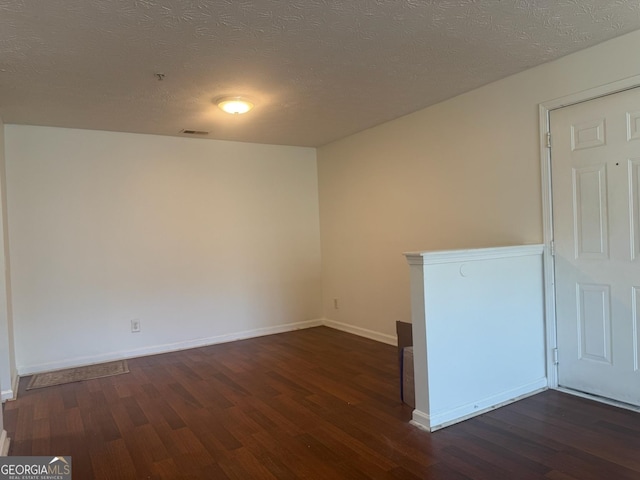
[{"x": 313, "y": 404}]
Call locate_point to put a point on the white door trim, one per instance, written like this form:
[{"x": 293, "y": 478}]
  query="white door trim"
[{"x": 547, "y": 212}]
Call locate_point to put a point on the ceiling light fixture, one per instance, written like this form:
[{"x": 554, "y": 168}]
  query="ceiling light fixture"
[{"x": 234, "y": 105}]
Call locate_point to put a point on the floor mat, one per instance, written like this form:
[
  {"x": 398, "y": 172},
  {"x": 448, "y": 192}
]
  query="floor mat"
[{"x": 78, "y": 374}]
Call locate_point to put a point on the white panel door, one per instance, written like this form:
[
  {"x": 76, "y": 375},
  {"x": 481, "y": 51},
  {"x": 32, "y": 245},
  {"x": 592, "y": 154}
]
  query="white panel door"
[{"x": 595, "y": 161}]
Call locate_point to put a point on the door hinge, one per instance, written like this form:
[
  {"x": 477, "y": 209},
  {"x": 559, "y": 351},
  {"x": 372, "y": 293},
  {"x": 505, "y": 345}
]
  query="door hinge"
[
  {"x": 552, "y": 248},
  {"x": 555, "y": 356},
  {"x": 548, "y": 139}
]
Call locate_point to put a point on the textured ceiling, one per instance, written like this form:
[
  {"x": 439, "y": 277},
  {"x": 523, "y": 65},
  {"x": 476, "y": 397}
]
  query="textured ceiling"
[{"x": 318, "y": 70}]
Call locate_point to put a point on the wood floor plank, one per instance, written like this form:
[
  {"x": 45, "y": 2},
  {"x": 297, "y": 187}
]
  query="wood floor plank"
[
  {"x": 104, "y": 465},
  {"x": 583, "y": 437},
  {"x": 310, "y": 404},
  {"x": 474, "y": 447}
]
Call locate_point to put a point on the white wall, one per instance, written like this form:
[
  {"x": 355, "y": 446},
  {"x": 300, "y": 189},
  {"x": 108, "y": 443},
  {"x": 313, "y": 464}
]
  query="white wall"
[
  {"x": 4, "y": 337},
  {"x": 7, "y": 357},
  {"x": 198, "y": 239},
  {"x": 478, "y": 330},
  {"x": 462, "y": 174}
]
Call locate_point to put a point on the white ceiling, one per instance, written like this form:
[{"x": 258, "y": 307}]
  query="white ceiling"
[{"x": 318, "y": 70}]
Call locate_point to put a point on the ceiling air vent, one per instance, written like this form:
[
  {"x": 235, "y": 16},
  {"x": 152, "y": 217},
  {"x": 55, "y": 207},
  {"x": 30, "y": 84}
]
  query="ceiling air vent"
[{"x": 194, "y": 132}]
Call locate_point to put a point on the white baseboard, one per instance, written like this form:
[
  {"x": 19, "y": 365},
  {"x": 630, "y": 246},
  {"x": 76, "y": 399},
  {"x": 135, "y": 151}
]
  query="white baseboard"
[
  {"x": 464, "y": 412},
  {"x": 11, "y": 393},
  {"x": 200, "y": 342},
  {"x": 421, "y": 420},
  {"x": 4, "y": 444},
  {"x": 362, "y": 332},
  {"x": 7, "y": 395},
  {"x": 166, "y": 348}
]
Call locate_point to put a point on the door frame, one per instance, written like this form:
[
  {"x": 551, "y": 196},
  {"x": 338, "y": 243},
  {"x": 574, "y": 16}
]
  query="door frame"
[{"x": 545, "y": 109}]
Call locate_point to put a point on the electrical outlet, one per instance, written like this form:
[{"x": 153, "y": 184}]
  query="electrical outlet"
[
  {"x": 135, "y": 325},
  {"x": 336, "y": 304}
]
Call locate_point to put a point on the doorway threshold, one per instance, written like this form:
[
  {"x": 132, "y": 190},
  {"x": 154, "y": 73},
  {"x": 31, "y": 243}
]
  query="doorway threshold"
[{"x": 598, "y": 398}]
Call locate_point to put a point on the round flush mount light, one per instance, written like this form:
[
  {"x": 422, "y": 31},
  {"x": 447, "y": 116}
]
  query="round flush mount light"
[{"x": 234, "y": 105}]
